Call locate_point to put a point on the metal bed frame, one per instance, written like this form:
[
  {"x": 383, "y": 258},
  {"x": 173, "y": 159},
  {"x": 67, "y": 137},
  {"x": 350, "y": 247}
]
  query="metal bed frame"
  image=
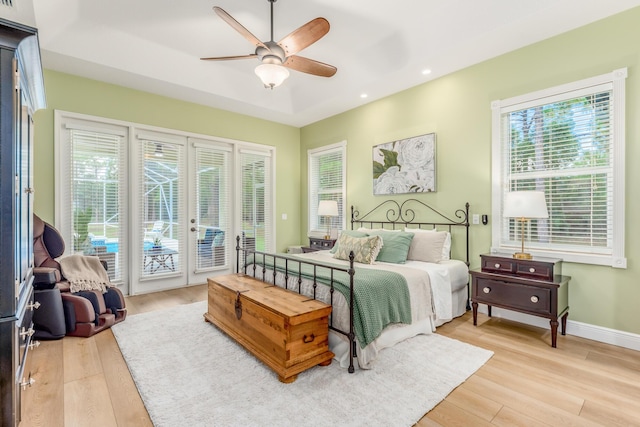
[{"x": 396, "y": 215}]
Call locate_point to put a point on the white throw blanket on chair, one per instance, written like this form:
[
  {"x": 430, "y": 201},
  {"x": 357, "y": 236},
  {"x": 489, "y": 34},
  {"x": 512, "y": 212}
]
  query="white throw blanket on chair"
[{"x": 84, "y": 273}]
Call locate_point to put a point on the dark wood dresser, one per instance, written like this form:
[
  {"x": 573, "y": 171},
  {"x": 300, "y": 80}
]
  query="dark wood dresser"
[
  {"x": 21, "y": 94},
  {"x": 534, "y": 286}
]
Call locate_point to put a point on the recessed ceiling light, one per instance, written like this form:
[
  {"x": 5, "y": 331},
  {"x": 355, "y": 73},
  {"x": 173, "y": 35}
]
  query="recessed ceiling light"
[
  {"x": 363, "y": 95},
  {"x": 426, "y": 71}
]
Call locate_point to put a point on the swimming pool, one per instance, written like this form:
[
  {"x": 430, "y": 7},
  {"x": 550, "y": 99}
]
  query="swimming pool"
[{"x": 112, "y": 246}]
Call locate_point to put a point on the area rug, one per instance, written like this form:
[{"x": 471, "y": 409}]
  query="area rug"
[{"x": 189, "y": 373}]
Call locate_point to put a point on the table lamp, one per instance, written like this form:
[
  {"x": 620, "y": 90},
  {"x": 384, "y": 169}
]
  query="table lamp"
[
  {"x": 523, "y": 206},
  {"x": 328, "y": 209}
]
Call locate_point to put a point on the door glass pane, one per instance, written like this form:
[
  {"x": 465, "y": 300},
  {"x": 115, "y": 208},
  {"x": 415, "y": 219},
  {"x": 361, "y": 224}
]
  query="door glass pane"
[
  {"x": 162, "y": 204},
  {"x": 256, "y": 213},
  {"x": 212, "y": 194},
  {"x": 24, "y": 203},
  {"x": 97, "y": 201}
]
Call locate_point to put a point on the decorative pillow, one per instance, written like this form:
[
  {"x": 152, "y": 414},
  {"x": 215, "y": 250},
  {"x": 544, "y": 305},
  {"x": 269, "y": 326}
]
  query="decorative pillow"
[
  {"x": 429, "y": 246},
  {"x": 351, "y": 233},
  {"x": 365, "y": 249},
  {"x": 395, "y": 246}
]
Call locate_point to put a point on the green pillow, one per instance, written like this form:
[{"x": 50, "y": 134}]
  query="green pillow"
[
  {"x": 395, "y": 246},
  {"x": 352, "y": 233}
]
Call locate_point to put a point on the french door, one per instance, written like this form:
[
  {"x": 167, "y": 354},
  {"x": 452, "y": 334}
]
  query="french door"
[
  {"x": 161, "y": 208},
  {"x": 210, "y": 209},
  {"x": 184, "y": 211}
]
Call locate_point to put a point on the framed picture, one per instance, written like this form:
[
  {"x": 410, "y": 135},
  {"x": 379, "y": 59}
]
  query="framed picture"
[{"x": 405, "y": 166}]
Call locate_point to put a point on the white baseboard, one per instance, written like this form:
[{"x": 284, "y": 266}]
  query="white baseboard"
[{"x": 578, "y": 329}]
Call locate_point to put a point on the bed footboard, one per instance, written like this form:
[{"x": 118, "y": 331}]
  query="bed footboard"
[{"x": 280, "y": 270}]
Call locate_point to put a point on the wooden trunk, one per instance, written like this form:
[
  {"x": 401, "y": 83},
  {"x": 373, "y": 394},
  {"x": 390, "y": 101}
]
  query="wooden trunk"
[{"x": 287, "y": 331}]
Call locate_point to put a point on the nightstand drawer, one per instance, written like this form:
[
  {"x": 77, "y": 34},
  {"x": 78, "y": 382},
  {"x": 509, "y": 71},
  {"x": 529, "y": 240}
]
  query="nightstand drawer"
[
  {"x": 514, "y": 296},
  {"x": 539, "y": 268},
  {"x": 321, "y": 244},
  {"x": 497, "y": 264},
  {"x": 543, "y": 270}
]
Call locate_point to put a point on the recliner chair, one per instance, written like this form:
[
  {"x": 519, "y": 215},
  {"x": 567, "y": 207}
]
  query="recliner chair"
[{"x": 86, "y": 313}]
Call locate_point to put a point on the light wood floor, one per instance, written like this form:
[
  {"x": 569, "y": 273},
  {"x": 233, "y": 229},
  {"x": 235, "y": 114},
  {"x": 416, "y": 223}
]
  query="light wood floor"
[{"x": 85, "y": 382}]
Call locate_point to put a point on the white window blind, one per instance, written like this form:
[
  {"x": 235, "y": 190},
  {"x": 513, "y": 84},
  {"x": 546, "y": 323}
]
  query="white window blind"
[
  {"x": 567, "y": 144},
  {"x": 327, "y": 181},
  {"x": 162, "y": 205},
  {"x": 256, "y": 179},
  {"x": 97, "y": 182},
  {"x": 213, "y": 206}
]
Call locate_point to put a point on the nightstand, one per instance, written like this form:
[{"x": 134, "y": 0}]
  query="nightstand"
[
  {"x": 535, "y": 286},
  {"x": 316, "y": 244}
]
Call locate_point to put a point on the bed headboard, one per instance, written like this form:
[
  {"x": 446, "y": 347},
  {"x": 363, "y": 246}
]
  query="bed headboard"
[{"x": 393, "y": 215}]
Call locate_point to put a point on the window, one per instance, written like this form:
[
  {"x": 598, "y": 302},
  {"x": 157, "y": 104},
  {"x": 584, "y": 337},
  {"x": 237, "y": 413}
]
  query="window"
[
  {"x": 567, "y": 141},
  {"x": 255, "y": 181},
  {"x": 93, "y": 200},
  {"x": 327, "y": 181}
]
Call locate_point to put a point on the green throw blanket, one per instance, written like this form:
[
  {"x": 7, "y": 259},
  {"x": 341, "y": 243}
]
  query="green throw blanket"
[{"x": 380, "y": 297}]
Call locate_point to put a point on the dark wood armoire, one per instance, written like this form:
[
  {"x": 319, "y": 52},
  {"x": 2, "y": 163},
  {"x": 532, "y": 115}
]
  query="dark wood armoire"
[{"x": 21, "y": 94}]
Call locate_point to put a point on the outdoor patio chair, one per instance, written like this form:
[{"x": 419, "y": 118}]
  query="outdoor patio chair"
[
  {"x": 156, "y": 231},
  {"x": 211, "y": 248}
]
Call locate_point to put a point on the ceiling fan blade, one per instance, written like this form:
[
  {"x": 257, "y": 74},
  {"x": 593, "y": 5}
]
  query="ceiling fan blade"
[
  {"x": 238, "y": 27},
  {"x": 226, "y": 58},
  {"x": 310, "y": 66},
  {"x": 304, "y": 36}
]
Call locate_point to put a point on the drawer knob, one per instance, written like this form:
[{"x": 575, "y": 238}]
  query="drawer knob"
[
  {"x": 486, "y": 290},
  {"x": 532, "y": 270},
  {"x": 496, "y": 265},
  {"x": 308, "y": 339},
  {"x": 27, "y": 382},
  {"x": 534, "y": 299},
  {"x": 26, "y": 332}
]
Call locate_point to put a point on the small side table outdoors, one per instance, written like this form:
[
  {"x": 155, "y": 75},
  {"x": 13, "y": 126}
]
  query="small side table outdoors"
[{"x": 159, "y": 259}]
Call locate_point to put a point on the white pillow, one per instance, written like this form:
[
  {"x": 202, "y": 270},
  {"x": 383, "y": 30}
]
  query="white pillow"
[{"x": 446, "y": 247}]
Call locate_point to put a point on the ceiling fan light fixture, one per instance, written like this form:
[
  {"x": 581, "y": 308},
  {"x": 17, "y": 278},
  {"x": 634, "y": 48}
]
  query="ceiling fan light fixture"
[
  {"x": 272, "y": 75},
  {"x": 277, "y": 57}
]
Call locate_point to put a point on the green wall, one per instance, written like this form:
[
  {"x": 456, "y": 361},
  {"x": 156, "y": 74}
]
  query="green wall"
[
  {"x": 457, "y": 108},
  {"x": 85, "y": 96}
]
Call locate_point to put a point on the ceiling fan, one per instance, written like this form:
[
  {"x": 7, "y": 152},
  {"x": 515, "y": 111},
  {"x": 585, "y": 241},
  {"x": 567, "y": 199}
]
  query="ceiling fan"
[{"x": 274, "y": 57}]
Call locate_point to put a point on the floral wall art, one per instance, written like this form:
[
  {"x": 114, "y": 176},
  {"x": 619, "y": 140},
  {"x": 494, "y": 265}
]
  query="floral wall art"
[{"x": 405, "y": 166}]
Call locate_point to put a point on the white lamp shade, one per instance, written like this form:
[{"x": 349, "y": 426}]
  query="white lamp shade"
[
  {"x": 328, "y": 208},
  {"x": 272, "y": 75},
  {"x": 525, "y": 204}
]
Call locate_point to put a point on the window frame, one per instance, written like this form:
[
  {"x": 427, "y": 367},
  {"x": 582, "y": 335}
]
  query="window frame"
[
  {"x": 617, "y": 80},
  {"x": 320, "y": 231}
]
